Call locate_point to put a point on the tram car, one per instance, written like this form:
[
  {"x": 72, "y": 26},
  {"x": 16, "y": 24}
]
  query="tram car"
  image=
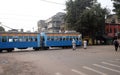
[
  {"x": 11, "y": 40},
  {"x": 61, "y": 39},
  {"x": 23, "y": 40}
]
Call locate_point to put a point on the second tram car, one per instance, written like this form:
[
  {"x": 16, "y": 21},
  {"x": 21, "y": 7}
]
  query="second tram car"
[{"x": 61, "y": 39}]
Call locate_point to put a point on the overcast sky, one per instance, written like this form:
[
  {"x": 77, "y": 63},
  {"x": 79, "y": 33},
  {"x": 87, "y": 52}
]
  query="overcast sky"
[{"x": 24, "y": 14}]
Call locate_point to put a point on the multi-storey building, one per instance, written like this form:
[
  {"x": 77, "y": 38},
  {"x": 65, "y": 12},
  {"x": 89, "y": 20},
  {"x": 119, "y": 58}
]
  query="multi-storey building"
[
  {"x": 113, "y": 19},
  {"x": 112, "y": 27},
  {"x": 42, "y": 26},
  {"x": 54, "y": 23}
]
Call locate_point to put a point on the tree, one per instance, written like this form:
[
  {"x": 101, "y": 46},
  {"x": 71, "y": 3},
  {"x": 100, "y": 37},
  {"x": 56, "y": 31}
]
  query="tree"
[
  {"x": 93, "y": 21},
  {"x": 116, "y": 5},
  {"x": 86, "y": 17},
  {"x": 74, "y": 10},
  {"x": 1, "y": 29}
]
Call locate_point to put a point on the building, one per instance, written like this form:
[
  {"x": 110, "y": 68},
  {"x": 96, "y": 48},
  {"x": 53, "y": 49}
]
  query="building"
[
  {"x": 112, "y": 27},
  {"x": 112, "y": 19},
  {"x": 55, "y": 22},
  {"x": 42, "y": 26},
  {"x": 13, "y": 30}
]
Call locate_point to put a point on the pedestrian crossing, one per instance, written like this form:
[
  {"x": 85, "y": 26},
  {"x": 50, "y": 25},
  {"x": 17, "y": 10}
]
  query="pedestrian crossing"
[
  {"x": 108, "y": 67},
  {"x": 78, "y": 72},
  {"x": 91, "y": 69}
]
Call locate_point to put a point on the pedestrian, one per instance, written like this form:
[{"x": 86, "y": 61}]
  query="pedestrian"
[
  {"x": 116, "y": 44},
  {"x": 85, "y": 44},
  {"x": 74, "y": 44}
]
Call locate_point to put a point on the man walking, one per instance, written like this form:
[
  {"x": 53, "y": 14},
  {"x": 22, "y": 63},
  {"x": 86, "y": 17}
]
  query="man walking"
[{"x": 116, "y": 44}]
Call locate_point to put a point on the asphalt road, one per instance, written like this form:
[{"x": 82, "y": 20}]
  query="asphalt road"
[{"x": 95, "y": 60}]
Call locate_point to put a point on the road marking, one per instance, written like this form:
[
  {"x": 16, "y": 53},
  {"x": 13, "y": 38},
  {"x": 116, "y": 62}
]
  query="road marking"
[
  {"x": 110, "y": 64},
  {"x": 107, "y": 68},
  {"x": 114, "y": 61},
  {"x": 88, "y": 68},
  {"x": 117, "y": 59},
  {"x": 78, "y": 72},
  {"x": 58, "y": 73}
]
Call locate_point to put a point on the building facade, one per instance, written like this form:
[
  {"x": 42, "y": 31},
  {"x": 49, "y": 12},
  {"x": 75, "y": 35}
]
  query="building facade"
[
  {"x": 42, "y": 26},
  {"x": 112, "y": 27},
  {"x": 113, "y": 19},
  {"x": 55, "y": 22}
]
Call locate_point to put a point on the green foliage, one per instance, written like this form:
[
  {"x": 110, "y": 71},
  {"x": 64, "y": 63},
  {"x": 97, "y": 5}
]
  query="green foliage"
[
  {"x": 116, "y": 5},
  {"x": 2, "y": 29},
  {"x": 86, "y": 16},
  {"x": 74, "y": 10}
]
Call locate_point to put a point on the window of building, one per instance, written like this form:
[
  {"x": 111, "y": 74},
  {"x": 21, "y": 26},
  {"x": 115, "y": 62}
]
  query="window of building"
[
  {"x": 115, "y": 30},
  {"x": 110, "y": 30}
]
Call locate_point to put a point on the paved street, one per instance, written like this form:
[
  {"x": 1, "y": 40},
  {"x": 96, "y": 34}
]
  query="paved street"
[{"x": 95, "y": 60}]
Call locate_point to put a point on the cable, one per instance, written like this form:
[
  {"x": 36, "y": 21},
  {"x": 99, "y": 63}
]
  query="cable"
[
  {"x": 6, "y": 26},
  {"x": 52, "y": 2}
]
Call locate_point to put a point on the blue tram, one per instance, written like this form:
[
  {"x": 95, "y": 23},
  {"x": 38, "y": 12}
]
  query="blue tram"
[
  {"x": 23, "y": 40},
  {"x": 11, "y": 40},
  {"x": 61, "y": 39}
]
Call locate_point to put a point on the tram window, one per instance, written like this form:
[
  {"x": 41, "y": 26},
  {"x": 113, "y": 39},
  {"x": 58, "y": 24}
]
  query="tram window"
[
  {"x": 30, "y": 39},
  {"x": 15, "y": 39},
  {"x": 64, "y": 39},
  {"x": 70, "y": 38},
  {"x": 4, "y": 39},
  {"x": 60, "y": 38},
  {"x": 52, "y": 38},
  {"x": 48, "y": 38},
  {"x": 74, "y": 38},
  {"x": 21, "y": 39},
  {"x": 35, "y": 38},
  {"x": 77, "y": 38},
  {"x": 67, "y": 38},
  {"x": 10, "y": 39},
  {"x": 25, "y": 38},
  {"x": 55, "y": 38}
]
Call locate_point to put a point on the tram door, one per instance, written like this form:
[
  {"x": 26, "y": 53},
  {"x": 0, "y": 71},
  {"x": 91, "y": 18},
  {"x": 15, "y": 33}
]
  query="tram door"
[{"x": 42, "y": 42}]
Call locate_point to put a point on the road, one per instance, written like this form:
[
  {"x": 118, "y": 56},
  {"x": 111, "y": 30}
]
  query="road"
[{"x": 95, "y": 60}]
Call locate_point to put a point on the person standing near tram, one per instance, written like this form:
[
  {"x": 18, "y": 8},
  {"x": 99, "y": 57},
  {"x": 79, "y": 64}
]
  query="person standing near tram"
[
  {"x": 74, "y": 44},
  {"x": 85, "y": 44}
]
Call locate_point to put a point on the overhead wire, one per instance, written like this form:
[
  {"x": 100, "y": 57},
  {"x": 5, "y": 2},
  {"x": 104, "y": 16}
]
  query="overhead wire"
[
  {"x": 6, "y": 26},
  {"x": 52, "y": 2}
]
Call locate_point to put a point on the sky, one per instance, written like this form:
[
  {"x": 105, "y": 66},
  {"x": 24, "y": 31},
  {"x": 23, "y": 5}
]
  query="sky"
[{"x": 24, "y": 14}]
